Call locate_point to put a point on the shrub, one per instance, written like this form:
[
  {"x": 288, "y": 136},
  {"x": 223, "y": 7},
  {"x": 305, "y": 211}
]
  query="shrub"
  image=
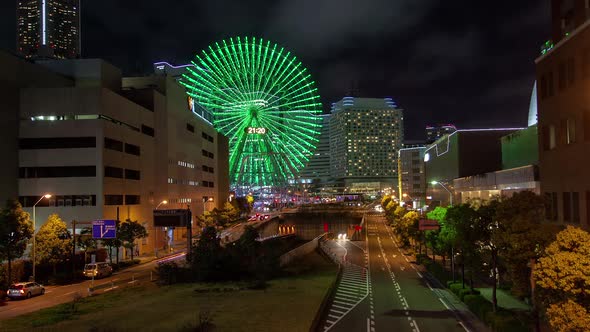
[
  {"x": 171, "y": 273},
  {"x": 478, "y": 305},
  {"x": 125, "y": 264},
  {"x": 505, "y": 321},
  {"x": 456, "y": 288},
  {"x": 467, "y": 291}
]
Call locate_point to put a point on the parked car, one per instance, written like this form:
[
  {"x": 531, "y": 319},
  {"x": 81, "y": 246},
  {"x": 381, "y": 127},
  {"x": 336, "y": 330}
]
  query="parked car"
[
  {"x": 25, "y": 290},
  {"x": 98, "y": 270}
]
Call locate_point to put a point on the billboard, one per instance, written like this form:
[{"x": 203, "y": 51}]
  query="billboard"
[
  {"x": 172, "y": 218},
  {"x": 428, "y": 225},
  {"x": 104, "y": 229}
]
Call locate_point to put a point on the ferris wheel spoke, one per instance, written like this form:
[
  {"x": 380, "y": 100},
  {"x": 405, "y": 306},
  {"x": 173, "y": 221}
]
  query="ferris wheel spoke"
[
  {"x": 220, "y": 65},
  {"x": 212, "y": 75},
  {"x": 228, "y": 54}
]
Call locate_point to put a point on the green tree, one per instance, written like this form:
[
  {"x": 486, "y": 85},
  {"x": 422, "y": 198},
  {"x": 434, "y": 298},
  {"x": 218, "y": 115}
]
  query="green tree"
[
  {"x": 486, "y": 226},
  {"x": 384, "y": 201},
  {"x": 208, "y": 256},
  {"x": 16, "y": 228},
  {"x": 463, "y": 219},
  {"x": 563, "y": 277},
  {"x": 407, "y": 227},
  {"x": 129, "y": 232},
  {"x": 52, "y": 242}
]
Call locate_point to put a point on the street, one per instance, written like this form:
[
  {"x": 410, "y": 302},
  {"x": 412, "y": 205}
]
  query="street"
[
  {"x": 401, "y": 297},
  {"x": 55, "y": 295}
]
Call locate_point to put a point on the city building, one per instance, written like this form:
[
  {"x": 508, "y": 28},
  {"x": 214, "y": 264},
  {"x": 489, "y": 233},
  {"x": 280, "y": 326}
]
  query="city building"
[
  {"x": 48, "y": 29},
  {"x": 563, "y": 74},
  {"x": 316, "y": 174},
  {"x": 17, "y": 74},
  {"x": 107, "y": 147},
  {"x": 365, "y": 137},
  {"x": 412, "y": 183},
  {"x": 435, "y": 132},
  {"x": 463, "y": 153}
]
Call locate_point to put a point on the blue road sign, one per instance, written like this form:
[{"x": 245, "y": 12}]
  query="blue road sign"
[{"x": 104, "y": 229}]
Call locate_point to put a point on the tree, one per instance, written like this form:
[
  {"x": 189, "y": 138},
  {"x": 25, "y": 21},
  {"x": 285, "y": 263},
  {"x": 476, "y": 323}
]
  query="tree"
[
  {"x": 463, "y": 219},
  {"x": 16, "y": 228},
  {"x": 53, "y": 242},
  {"x": 385, "y": 200},
  {"x": 521, "y": 236},
  {"x": 87, "y": 242},
  {"x": 208, "y": 255},
  {"x": 563, "y": 276},
  {"x": 129, "y": 231},
  {"x": 487, "y": 226},
  {"x": 407, "y": 227}
]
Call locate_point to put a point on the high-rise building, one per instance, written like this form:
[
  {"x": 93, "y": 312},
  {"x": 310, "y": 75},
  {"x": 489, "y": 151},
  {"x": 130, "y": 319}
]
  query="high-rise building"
[
  {"x": 365, "y": 137},
  {"x": 48, "y": 28},
  {"x": 435, "y": 132},
  {"x": 412, "y": 183},
  {"x": 563, "y": 75},
  {"x": 317, "y": 170}
]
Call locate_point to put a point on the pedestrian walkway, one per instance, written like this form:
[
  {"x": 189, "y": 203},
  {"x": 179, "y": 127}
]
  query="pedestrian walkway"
[{"x": 352, "y": 288}]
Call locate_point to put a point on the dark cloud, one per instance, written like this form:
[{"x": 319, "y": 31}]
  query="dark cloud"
[{"x": 464, "y": 62}]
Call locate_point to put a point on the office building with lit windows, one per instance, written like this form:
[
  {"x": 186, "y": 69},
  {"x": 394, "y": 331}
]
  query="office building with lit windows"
[
  {"x": 365, "y": 137},
  {"x": 107, "y": 147},
  {"x": 48, "y": 28},
  {"x": 563, "y": 76},
  {"x": 412, "y": 183}
]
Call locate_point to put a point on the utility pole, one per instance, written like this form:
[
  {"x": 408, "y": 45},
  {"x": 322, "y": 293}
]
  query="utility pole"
[{"x": 73, "y": 249}]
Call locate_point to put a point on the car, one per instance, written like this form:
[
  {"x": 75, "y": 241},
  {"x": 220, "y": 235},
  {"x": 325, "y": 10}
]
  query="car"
[
  {"x": 98, "y": 270},
  {"x": 23, "y": 290}
]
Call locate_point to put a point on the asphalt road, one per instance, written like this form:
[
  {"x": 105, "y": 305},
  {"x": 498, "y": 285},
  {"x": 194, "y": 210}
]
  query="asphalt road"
[
  {"x": 55, "y": 295},
  {"x": 400, "y": 295}
]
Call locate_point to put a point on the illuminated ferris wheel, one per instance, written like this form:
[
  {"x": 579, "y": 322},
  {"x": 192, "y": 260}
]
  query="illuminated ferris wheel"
[{"x": 264, "y": 101}]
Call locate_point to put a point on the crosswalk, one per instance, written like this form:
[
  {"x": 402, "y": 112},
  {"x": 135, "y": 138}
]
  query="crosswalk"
[{"x": 351, "y": 290}]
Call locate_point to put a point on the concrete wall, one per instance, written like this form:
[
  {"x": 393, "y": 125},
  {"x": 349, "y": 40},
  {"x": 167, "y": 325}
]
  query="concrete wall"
[{"x": 301, "y": 251}]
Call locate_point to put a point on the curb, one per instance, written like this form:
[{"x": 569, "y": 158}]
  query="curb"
[{"x": 327, "y": 298}]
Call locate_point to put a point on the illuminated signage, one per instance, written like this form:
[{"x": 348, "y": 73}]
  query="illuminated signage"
[{"x": 256, "y": 130}]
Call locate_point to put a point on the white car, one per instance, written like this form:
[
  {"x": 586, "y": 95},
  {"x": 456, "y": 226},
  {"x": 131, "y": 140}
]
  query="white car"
[{"x": 23, "y": 290}]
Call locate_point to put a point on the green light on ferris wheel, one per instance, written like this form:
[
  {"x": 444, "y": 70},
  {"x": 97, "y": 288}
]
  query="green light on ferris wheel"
[{"x": 264, "y": 101}]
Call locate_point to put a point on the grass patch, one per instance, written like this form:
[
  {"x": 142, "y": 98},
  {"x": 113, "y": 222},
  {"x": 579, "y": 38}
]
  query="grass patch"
[{"x": 289, "y": 303}]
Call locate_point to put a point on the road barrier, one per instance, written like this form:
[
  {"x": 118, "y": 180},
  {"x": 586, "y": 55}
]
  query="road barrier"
[{"x": 301, "y": 251}]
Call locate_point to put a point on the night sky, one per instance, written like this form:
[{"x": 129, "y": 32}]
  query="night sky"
[{"x": 470, "y": 63}]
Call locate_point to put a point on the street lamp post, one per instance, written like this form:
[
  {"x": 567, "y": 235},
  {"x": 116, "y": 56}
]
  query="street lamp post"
[
  {"x": 156, "y": 237},
  {"x": 35, "y": 233},
  {"x": 445, "y": 188}
]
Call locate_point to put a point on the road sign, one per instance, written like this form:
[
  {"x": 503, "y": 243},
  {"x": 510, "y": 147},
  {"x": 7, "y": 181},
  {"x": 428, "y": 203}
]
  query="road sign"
[
  {"x": 428, "y": 225},
  {"x": 172, "y": 218},
  {"x": 104, "y": 229}
]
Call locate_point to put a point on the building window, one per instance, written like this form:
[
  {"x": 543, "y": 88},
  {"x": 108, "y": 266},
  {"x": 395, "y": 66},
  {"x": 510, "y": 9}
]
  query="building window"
[
  {"x": 148, "y": 130},
  {"x": 208, "y": 154},
  {"x": 543, "y": 87},
  {"x": 552, "y": 137},
  {"x": 113, "y": 172},
  {"x": 57, "y": 172},
  {"x": 551, "y": 206},
  {"x": 132, "y": 174},
  {"x": 567, "y": 207},
  {"x": 113, "y": 144},
  {"x": 576, "y": 207},
  {"x": 190, "y": 127},
  {"x": 59, "y": 200},
  {"x": 113, "y": 199},
  {"x": 132, "y": 149},
  {"x": 132, "y": 200},
  {"x": 570, "y": 131},
  {"x": 207, "y": 136},
  {"x": 43, "y": 143}
]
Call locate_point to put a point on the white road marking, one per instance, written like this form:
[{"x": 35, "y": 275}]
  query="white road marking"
[
  {"x": 443, "y": 302},
  {"x": 465, "y": 328},
  {"x": 420, "y": 275}
]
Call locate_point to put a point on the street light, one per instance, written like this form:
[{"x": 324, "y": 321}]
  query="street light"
[
  {"x": 156, "y": 237},
  {"x": 445, "y": 188},
  {"x": 162, "y": 202},
  {"x": 210, "y": 199},
  {"x": 35, "y": 233}
]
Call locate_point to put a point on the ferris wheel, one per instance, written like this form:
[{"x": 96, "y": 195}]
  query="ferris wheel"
[{"x": 264, "y": 101}]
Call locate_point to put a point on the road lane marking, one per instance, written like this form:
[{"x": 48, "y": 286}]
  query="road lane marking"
[
  {"x": 465, "y": 328},
  {"x": 337, "y": 311},
  {"x": 420, "y": 275},
  {"x": 443, "y": 302},
  {"x": 416, "y": 326},
  {"x": 341, "y": 307},
  {"x": 428, "y": 284}
]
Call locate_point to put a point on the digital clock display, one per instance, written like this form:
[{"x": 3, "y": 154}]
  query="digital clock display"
[{"x": 256, "y": 130}]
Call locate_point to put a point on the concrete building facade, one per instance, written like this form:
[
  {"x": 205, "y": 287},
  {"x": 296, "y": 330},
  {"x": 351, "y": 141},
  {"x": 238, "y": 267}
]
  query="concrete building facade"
[
  {"x": 412, "y": 181},
  {"x": 114, "y": 148},
  {"x": 563, "y": 73}
]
